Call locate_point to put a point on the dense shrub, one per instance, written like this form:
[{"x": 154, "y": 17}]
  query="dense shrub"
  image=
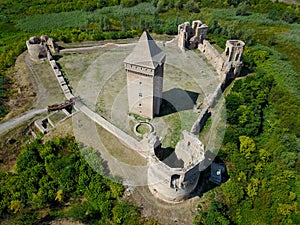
[
  {"x": 191, "y": 6},
  {"x": 242, "y": 9},
  {"x": 290, "y": 16},
  {"x": 52, "y": 173}
]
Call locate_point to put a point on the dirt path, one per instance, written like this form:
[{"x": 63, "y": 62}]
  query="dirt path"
[
  {"x": 165, "y": 213},
  {"x": 38, "y": 78},
  {"x": 107, "y": 46},
  {"x": 5, "y": 127}
]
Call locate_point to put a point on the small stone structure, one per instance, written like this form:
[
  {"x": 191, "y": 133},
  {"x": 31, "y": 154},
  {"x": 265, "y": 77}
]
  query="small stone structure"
[
  {"x": 233, "y": 58},
  {"x": 145, "y": 69},
  {"x": 174, "y": 178},
  {"x": 147, "y": 124},
  {"x": 45, "y": 124},
  {"x": 38, "y": 47}
]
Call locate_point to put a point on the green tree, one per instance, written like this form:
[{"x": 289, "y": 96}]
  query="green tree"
[
  {"x": 123, "y": 213},
  {"x": 15, "y": 205},
  {"x": 247, "y": 146},
  {"x": 216, "y": 214}
]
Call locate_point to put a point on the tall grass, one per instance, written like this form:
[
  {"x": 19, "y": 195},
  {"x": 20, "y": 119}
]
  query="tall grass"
[
  {"x": 47, "y": 22},
  {"x": 230, "y": 15},
  {"x": 82, "y": 19},
  {"x": 292, "y": 35}
]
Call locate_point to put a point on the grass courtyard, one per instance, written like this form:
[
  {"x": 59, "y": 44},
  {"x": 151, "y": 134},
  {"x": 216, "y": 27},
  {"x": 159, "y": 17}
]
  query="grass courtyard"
[{"x": 99, "y": 79}]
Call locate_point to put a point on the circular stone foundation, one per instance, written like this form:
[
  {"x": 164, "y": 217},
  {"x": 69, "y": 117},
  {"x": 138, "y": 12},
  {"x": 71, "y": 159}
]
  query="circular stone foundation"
[{"x": 142, "y": 128}]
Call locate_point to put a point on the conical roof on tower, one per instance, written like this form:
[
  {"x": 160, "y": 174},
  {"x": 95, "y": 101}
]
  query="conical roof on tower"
[{"x": 146, "y": 53}]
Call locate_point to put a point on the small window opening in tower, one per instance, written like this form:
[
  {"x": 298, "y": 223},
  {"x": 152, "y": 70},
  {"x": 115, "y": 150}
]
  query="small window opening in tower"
[
  {"x": 227, "y": 51},
  {"x": 140, "y": 82},
  {"x": 140, "y": 104},
  {"x": 140, "y": 95},
  {"x": 174, "y": 181}
]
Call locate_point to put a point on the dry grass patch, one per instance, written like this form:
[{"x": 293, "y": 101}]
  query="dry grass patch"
[
  {"x": 63, "y": 129},
  {"x": 118, "y": 150}
]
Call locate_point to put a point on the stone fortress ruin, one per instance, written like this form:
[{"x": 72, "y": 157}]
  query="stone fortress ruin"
[{"x": 171, "y": 177}]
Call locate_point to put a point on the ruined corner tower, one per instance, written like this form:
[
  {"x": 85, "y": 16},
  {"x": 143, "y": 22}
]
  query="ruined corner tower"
[
  {"x": 175, "y": 177},
  {"x": 190, "y": 36},
  {"x": 144, "y": 68},
  {"x": 233, "y": 58}
]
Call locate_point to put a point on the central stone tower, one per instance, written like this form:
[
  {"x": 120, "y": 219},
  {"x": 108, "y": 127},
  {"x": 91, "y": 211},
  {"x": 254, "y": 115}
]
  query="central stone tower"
[{"x": 144, "y": 68}]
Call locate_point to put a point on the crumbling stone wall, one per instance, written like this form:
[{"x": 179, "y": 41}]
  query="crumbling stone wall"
[
  {"x": 190, "y": 36},
  {"x": 212, "y": 55},
  {"x": 227, "y": 64}
]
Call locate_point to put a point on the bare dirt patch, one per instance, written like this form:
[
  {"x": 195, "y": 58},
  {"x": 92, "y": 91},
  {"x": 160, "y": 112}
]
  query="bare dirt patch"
[
  {"x": 165, "y": 213},
  {"x": 74, "y": 65},
  {"x": 64, "y": 221}
]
